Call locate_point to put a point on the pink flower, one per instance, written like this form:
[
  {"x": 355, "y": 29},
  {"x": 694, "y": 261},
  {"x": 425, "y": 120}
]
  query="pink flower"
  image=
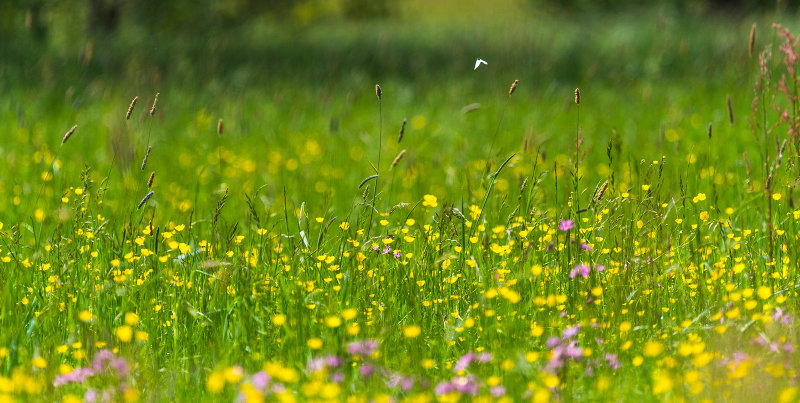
[
  {"x": 580, "y": 270},
  {"x": 566, "y": 225}
]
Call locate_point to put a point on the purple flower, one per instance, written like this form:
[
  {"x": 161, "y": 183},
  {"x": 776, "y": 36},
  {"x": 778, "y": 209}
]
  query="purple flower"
[
  {"x": 387, "y": 249},
  {"x": 573, "y": 350},
  {"x": 571, "y": 331},
  {"x": 552, "y": 342},
  {"x": 397, "y": 254},
  {"x": 443, "y": 388},
  {"x": 484, "y": 357},
  {"x": 333, "y": 361},
  {"x": 338, "y": 377},
  {"x": 90, "y": 396},
  {"x": 366, "y": 370},
  {"x": 464, "y": 361},
  {"x": 566, "y": 225},
  {"x": 497, "y": 391},
  {"x": 599, "y": 268},
  {"x": 465, "y": 384},
  {"x": 612, "y": 361},
  {"x": 365, "y": 347},
  {"x": 260, "y": 380},
  {"x": 580, "y": 270},
  {"x": 407, "y": 384},
  {"x": 586, "y": 247}
]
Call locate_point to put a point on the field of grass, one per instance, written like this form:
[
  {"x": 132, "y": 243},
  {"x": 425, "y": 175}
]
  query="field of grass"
[{"x": 271, "y": 229}]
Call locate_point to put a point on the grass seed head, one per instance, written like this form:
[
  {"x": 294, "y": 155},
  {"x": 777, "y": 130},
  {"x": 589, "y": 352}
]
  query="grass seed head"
[
  {"x": 730, "y": 110},
  {"x": 130, "y": 108},
  {"x": 146, "y": 156},
  {"x": 402, "y": 130},
  {"x": 513, "y": 87},
  {"x": 145, "y": 199},
  {"x": 577, "y": 96},
  {"x": 751, "y": 44},
  {"x": 219, "y": 127},
  {"x": 378, "y": 91},
  {"x": 155, "y": 101},
  {"x": 398, "y": 158},
  {"x": 69, "y": 134},
  {"x": 601, "y": 191},
  {"x": 150, "y": 180}
]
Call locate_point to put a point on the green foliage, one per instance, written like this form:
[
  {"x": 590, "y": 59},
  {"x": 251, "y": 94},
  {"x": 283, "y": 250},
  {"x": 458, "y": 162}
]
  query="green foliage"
[{"x": 496, "y": 259}]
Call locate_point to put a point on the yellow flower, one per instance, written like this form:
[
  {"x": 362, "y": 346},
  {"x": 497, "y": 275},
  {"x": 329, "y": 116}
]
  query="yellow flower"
[
  {"x": 333, "y": 322},
  {"x": 764, "y": 292},
  {"x": 349, "y": 313},
  {"x": 215, "y": 382},
  {"x": 704, "y": 215},
  {"x": 84, "y": 316},
  {"x": 412, "y": 331},
  {"x": 131, "y": 318},
  {"x": 39, "y": 362},
  {"x": 124, "y": 333},
  {"x": 314, "y": 343},
  {"x": 279, "y": 319},
  {"x": 429, "y": 201},
  {"x": 653, "y": 348}
]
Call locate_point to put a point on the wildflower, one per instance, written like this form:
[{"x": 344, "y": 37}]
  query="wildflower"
[
  {"x": 412, "y": 331},
  {"x": 580, "y": 270},
  {"x": 429, "y": 201},
  {"x": 566, "y": 225}
]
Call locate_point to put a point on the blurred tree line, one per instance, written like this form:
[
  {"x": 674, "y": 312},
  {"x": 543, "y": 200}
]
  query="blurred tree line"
[
  {"x": 104, "y": 17},
  {"x": 185, "y": 17}
]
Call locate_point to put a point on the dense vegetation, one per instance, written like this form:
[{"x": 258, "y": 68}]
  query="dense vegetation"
[{"x": 247, "y": 216}]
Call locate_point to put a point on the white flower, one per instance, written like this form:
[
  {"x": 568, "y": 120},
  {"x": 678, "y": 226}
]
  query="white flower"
[{"x": 479, "y": 62}]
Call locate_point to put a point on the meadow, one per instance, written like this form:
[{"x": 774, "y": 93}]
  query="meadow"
[{"x": 604, "y": 217}]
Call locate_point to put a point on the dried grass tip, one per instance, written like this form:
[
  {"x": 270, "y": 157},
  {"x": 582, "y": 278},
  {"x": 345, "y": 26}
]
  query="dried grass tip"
[
  {"x": 378, "y": 91},
  {"x": 68, "y": 135},
  {"x": 577, "y": 96},
  {"x": 155, "y": 101},
  {"x": 398, "y": 158},
  {"x": 145, "y": 199},
  {"x": 219, "y": 127},
  {"x": 601, "y": 191},
  {"x": 130, "y": 108},
  {"x": 751, "y": 44},
  {"x": 513, "y": 87}
]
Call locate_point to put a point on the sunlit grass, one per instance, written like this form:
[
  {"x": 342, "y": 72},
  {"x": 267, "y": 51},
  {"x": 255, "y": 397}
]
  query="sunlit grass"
[{"x": 490, "y": 270}]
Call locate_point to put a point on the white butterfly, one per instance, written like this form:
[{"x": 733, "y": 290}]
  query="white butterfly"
[{"x": 479, "y": 62}]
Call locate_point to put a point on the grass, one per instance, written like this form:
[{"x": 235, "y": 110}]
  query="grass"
[{"x": 255, "y": 268}]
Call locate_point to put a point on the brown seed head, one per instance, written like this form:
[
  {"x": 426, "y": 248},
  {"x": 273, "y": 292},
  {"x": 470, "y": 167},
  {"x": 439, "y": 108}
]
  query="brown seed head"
[
  {"x": 155, "y": 101},
  {"x": 219, "y": 127},
  {"x": 398, "y": 158},
  {"x": 402, "y": 130},
  {"x": 68, "y": 135},
  {"x": 730, "y": 110},
  {"x": 751, "y": 44},
  {"x": 577, "y": 96},
  {"x": 150, "y": 181},
  {"x": 513, "y": 87},
  {"x": 602, "y": 190},
  {"x": 378, "y": 91},
  {"x": 130, "y": 108}
]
